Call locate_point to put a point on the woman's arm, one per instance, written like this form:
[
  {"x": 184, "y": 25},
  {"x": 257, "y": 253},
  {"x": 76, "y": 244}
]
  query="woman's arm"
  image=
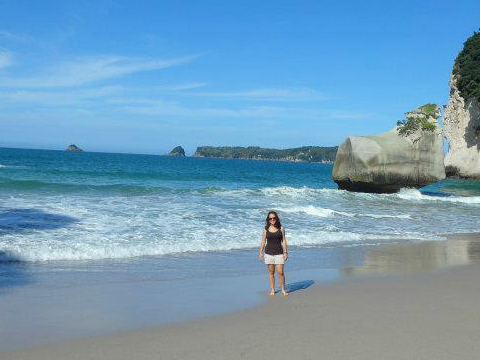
[
  {"x": 284, "y": 244},
  {"x": 262, "y": 245}
]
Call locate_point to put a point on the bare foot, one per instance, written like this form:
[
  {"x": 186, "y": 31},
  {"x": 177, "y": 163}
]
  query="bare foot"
[
  {"x": 284, "y": 293},
  {"x": 272, "y": 292}
]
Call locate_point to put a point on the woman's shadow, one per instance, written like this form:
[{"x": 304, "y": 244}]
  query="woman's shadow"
[{"x": 299, "y": 285}]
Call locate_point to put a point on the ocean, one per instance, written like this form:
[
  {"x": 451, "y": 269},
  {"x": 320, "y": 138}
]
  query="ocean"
[
  {"x": 58, "y": 205},
  {"x": 94, "y": 243}
]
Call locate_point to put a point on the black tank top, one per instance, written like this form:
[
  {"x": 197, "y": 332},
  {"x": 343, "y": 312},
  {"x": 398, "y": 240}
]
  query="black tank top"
[{"x": 274, "y": 243}]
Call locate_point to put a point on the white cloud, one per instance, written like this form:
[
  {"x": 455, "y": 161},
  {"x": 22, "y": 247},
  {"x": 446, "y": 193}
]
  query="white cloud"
[
  {"x": 345, "y": 115},
  {"x": 58, "y": 98},
  {"x": 169, "y": 108},
  {"x": 11, "y": 36},
  {"x": 175, "y": 89},
  {"x": 174, "y": 109},
  {"x": 92, "y": 69},
  {"x": 272, "y": 94},
  {"x": 6, "y": 59},
  {"x": 71, "y": 96},
  {"x": 185, "y": 86}
]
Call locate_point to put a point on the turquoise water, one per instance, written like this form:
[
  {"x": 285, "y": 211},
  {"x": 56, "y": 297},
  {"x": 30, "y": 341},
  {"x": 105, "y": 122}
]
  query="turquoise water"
[{"x": 56, "y": 205}]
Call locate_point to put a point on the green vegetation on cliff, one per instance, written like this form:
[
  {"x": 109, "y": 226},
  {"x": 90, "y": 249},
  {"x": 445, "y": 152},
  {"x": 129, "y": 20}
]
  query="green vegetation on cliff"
[
  {"x": 305, "y": 153},
  {"x": 419, "y": 118},
  {"x": 467, "y": 68}
]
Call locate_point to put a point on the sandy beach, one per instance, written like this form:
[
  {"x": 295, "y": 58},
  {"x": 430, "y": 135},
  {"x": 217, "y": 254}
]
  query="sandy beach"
[{"x": 405, "y": 313}]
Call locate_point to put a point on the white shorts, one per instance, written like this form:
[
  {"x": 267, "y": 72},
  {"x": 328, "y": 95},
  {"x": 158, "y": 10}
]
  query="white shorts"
[{"x": 274, "y": 259}]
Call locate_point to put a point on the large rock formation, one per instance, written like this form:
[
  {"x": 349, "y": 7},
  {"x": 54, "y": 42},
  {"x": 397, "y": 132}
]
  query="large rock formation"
[
  {"x": 462, "y": 130},
  {"x": 177, "y": 151},
  {"x": 462, "y": 114},
  {"x": 73, "y": 148},
  {"x": 390, "y": 161}
]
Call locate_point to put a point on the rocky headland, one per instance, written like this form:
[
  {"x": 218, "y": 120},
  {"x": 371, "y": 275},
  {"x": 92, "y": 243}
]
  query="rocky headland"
[
  {"x": 73, "y": 148},
  {"x": 177, "y": 151},
  {"x": 462, "y": 113},
  {"x": 301, "y": 154},
  {"x": 409, "y": 155}
]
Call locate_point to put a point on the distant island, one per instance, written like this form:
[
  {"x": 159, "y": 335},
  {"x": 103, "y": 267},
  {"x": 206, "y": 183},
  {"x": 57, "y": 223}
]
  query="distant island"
[
  {"x": 301, "y": 154},
  {"x": 73, "y": 148},
  {"x": 177, "y": 151}
]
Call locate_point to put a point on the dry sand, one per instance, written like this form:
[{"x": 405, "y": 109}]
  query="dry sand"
[{"x": 426, "y": 315}]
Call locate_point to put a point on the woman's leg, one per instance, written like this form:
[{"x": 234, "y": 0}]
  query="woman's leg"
[
  {"x": 271, "y": 277},
  {"x": 281, "y": 278}
]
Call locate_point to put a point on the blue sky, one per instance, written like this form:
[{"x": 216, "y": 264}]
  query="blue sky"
[{"x": 145, "y": 76}]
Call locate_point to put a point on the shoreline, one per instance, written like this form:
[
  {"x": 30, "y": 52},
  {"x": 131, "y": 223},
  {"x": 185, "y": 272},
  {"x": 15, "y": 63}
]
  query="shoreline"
[{"x": 436, "y": 273}]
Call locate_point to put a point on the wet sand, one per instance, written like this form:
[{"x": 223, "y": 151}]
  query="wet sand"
[{"x": 408, "y": 301}]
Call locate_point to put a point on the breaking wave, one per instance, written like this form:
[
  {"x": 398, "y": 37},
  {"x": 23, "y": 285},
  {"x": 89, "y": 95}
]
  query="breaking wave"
[
  {"x": 324, "y": 212},
  {"x": 416, "y": 196}
]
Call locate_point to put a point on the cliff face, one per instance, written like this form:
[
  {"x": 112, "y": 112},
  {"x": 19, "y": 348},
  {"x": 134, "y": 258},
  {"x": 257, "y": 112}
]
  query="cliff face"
[
  {"x": 390, "y": 161},
  {"x": 462, "y": 130}
]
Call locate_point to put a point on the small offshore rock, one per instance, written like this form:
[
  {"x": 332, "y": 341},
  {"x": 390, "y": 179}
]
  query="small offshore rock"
[
  {"x": 177, "y": 151},
  {"x": 73, "y": 148}
]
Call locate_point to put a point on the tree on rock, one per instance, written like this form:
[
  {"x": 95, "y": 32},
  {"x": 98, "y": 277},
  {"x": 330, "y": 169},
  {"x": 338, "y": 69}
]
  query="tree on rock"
[{"x": 425, "y": 118}]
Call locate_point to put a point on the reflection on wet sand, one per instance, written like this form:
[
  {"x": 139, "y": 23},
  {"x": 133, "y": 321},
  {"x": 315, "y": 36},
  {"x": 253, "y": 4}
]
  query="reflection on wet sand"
[{"x": 458, "y": 249}]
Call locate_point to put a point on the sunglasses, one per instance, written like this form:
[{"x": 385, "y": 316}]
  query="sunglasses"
[{"x": 272, "y": 218}]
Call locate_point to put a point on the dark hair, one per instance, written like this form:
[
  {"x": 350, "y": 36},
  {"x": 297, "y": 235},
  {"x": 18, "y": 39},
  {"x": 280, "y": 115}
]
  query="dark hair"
[{"x": 278, "y": 224}]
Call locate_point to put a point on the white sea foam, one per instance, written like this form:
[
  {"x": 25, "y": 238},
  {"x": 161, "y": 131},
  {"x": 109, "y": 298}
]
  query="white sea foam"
[
  {"x": 119, "y": 227},
  {"x": 291, "y": 192},
  {"x": 324, "y": 212},
  {"x": 416, "y": 195},
  {"x": 170, "y": 223},
  {"x": 386, "y": 216},
  {"x": 310, "y": 210},
  {"x": 284, "y": 192},
  {"x": 237, "y": 192},
  {"x": 327, "y": 237},
  {"x": 13, "y": 166},
  {"x": 108, "y": 249}
]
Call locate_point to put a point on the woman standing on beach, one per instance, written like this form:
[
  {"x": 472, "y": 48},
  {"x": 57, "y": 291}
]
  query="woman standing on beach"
[{"x": 276, "y": 251}]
